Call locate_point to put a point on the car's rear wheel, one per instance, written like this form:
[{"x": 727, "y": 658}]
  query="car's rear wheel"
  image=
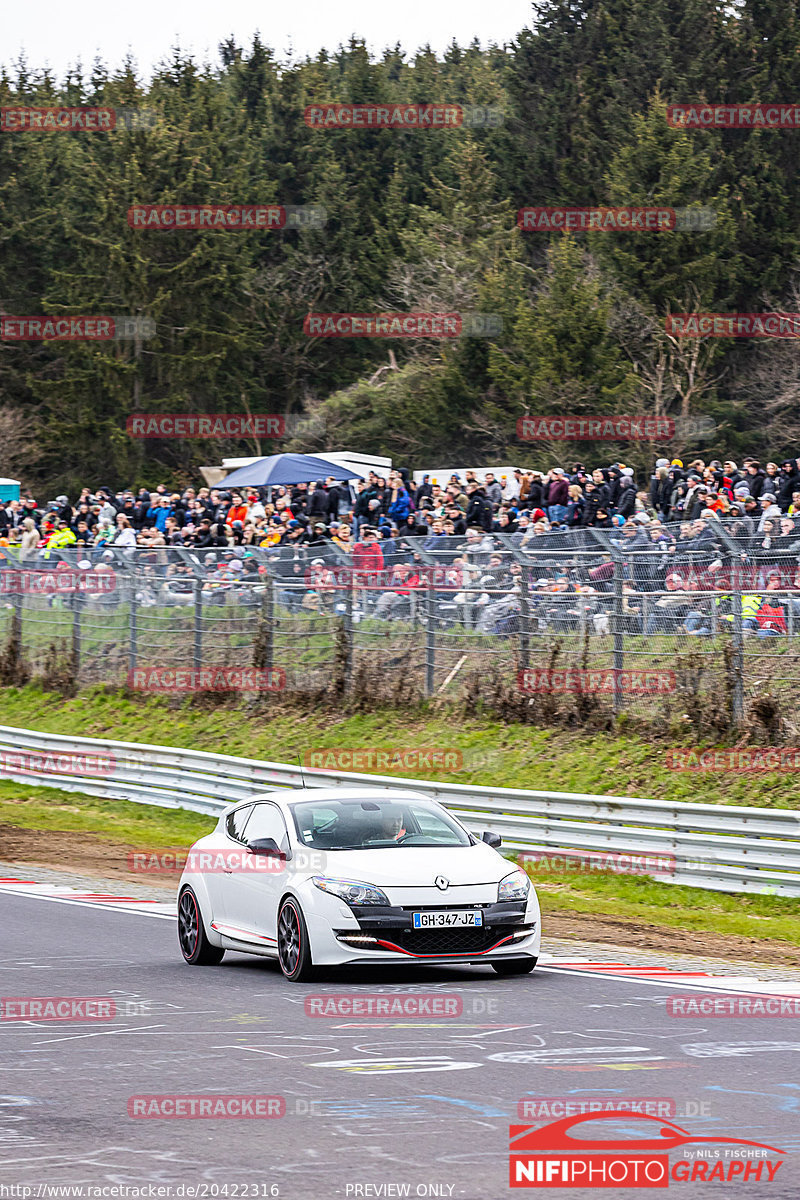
[
  {"x": 294, "y": 948},
  {"x": 514, "y": 966},
  {"x": 196, "y": 949}
]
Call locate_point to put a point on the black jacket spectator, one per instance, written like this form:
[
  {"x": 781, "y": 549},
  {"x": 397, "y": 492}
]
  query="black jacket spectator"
[
  {"x": 479, "y": 510},
  {"x": 337, "y": 495},
  {"x": 318, "y": 505},
  {"x": 626, "y": 502},
  {"x": 535, "y": 495},
  {"x": 789, "y": 483},
  {"x": 596, "y": 499},
  {"x": 756, "y": 482},
  {"x": 615, "y": 477}
]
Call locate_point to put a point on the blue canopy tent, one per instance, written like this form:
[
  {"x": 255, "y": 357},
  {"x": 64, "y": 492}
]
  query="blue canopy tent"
[{"x": 283, "y": 469}]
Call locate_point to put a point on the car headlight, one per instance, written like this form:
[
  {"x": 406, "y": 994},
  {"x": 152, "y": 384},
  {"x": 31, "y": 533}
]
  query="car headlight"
[
  {"x": 352, "y": 891},
  {"x": 514, "y": 887}
]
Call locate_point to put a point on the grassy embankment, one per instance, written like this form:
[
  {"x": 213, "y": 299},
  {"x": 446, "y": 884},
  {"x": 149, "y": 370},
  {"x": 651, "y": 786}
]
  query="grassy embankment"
[{"x": 493, "y": 754}]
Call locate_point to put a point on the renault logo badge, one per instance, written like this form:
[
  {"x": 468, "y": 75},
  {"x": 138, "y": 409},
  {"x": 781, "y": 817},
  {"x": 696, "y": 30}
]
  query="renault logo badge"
[{"x": 442, "y": 883}]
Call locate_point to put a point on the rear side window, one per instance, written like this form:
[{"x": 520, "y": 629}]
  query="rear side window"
[{"x": 236, "y": 822}]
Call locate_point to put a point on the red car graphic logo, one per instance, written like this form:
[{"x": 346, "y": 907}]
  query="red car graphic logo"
[{"x": 556, "y": 1136}]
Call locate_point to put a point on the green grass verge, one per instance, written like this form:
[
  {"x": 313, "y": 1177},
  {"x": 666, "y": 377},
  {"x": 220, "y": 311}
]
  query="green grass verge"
[
  {"x": 494, "y": 753},
  {"x": 140, "y": 825},
  {"x": 646, "y": 901}
]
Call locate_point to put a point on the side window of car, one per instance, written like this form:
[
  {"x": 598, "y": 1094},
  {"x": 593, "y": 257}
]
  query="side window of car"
[
  {"x": 267, "y": 822},
  {"x": 236, "y": 822}
]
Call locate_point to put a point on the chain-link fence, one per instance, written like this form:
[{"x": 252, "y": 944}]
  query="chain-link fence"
[{"x": 655, "y": 621}]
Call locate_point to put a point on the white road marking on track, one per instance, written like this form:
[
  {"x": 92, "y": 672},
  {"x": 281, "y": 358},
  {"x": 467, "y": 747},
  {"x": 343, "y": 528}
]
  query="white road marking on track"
[
  {"x": 713, "y": 983},
  {"x": 68, "y": 895},
  {"x": 75, "y": 1037}
]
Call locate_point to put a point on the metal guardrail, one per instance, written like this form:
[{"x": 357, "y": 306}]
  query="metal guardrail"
[{"x": 718, "y": 847}]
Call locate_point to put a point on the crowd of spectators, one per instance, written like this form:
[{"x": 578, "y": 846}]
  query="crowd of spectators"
[{"x": 388, "y": 531}]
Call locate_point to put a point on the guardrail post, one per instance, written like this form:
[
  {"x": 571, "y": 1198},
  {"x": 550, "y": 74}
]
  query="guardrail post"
[
  {"x": 349, "y": 594},
  {"x": 617, "y": 629},
  {"x": 737, "y": 657},
  {"x": 133, "y": 637},
  {"x": 524, "y": 618},
  {"x": 77, "y": 605},
  {"x": 430, "y": 641},
  {"x": 198, "y": 625},
  {"x": 268, "y": 624},
  {"x": 16, "y": 622}
]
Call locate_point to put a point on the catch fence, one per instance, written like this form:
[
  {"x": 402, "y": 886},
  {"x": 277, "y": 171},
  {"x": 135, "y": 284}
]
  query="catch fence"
[{"x": 652, "y": 621}]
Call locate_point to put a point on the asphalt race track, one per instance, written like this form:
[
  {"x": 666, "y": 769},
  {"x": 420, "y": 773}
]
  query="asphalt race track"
[{"x": 374, "y": 1107}]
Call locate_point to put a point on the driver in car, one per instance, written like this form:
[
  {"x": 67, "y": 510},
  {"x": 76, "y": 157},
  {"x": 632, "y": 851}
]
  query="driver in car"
[{"x": 389, "y": 826}]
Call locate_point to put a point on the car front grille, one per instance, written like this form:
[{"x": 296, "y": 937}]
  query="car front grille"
[{"x": 443, "y": 941}]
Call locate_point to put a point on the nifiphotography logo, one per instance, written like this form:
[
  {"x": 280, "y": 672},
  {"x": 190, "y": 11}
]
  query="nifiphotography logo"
[{"x": 553, "y": 1155}]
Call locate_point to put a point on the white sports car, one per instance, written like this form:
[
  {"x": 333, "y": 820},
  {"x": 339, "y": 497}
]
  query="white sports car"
[{"x": 325, "y": 877}]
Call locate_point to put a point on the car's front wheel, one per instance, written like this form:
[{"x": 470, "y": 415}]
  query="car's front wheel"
[
  {"x": 514, "y": 966},
  {"x": 294, "y": 948},
  {"x": 196, "y": 949}
]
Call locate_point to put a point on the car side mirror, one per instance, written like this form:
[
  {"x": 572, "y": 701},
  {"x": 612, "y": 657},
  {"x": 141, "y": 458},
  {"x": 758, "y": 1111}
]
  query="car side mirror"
[
  {"x": 491, "y": 839},
  {"x": 267, "y": 847}
]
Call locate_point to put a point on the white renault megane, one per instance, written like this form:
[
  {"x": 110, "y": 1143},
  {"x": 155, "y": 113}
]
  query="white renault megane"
[{"x": 327, "y": 877}]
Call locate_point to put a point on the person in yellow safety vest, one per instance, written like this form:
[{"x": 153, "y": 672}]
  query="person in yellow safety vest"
[
  {"x": 751, "y": 603},
  {"x": 698, "y": 621},
  {"x": 61, "y": 537}
]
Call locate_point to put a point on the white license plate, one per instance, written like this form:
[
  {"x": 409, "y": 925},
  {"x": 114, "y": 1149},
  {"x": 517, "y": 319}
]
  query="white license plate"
[{"x": 447, "y": 920}]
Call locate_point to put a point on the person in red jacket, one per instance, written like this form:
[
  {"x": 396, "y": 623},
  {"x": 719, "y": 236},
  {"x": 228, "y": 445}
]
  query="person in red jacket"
[
  {"x": 237, "y": 511},
  {"x": 394, "y": 600},
  {"x": 368, "y": 560}
]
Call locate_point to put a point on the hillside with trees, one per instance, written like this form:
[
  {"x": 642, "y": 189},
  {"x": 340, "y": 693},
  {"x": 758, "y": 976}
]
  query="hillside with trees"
[{"x": 416, "y": 220}]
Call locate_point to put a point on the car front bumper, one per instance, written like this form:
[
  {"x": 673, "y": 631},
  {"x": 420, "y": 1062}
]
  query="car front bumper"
[{"x": 386, "y": 934}]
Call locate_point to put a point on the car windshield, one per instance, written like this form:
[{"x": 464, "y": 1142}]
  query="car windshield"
[{"x": 374, "y": 824}]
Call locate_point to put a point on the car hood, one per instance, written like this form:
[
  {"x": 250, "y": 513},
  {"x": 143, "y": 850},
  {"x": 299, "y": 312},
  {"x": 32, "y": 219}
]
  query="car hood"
[{"x": 417, "y": 866}]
